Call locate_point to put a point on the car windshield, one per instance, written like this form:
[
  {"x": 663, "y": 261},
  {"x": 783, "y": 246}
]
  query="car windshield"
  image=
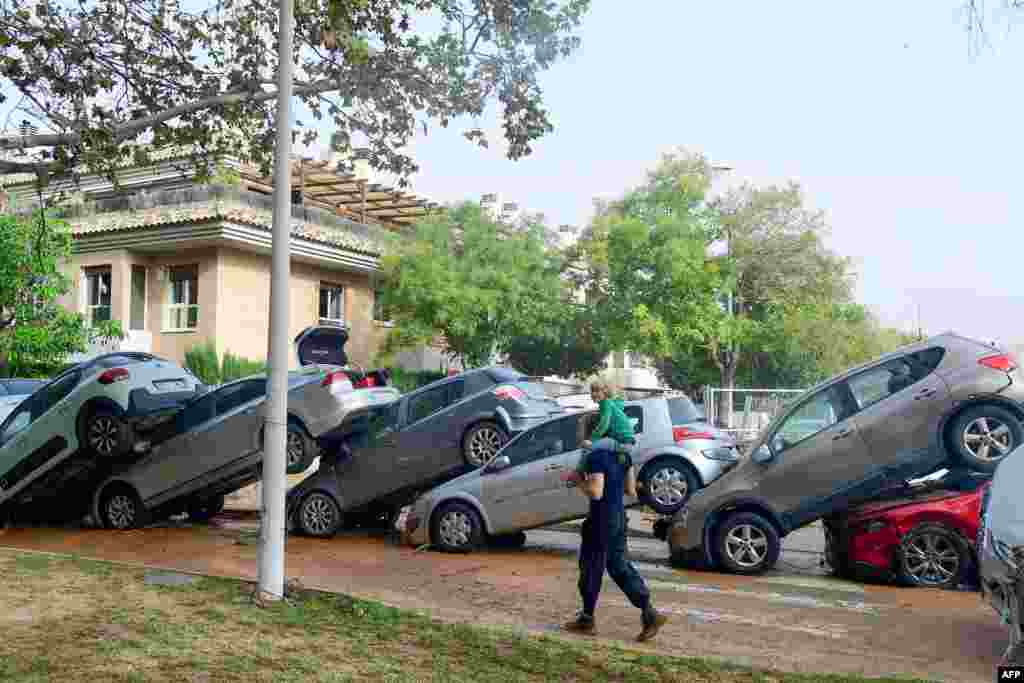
[{"x": 682, "y": 410}]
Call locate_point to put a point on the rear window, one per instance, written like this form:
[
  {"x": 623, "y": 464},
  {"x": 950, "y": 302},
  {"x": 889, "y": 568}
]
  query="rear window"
[
  {"x": 505, "y": 375},
  {"x": 682, "y": 410}
]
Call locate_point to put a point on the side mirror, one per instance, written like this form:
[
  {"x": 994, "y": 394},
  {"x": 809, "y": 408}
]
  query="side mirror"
[
  {"x": 499, "y": 463},
  {"x": 761, "y": 454}
]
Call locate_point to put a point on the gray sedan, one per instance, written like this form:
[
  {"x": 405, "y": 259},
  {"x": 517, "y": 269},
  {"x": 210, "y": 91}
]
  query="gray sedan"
[
  {"x": 521, "y": 488},
  {"x": 215, "y": 445}
]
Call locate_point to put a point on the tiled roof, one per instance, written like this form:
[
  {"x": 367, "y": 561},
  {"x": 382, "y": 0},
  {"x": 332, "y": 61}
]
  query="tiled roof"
[{"x": 205, "y": 212}]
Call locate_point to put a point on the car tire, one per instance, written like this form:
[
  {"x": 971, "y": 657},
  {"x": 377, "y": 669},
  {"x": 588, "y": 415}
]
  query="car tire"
[
  {"x": 319, "y": 515},
  {"x": 837, "y": 556},
  {"x": 301, "y": 449},
  {"x": 121, "y": 508},
  {"x": 932, "y": 556},
  {"x": 105, "y": 433},
  {"x": 456, "y": 528},
  {"x": 747, "y": 543},
  {"x": 481, "y": 442},
  {"x": 978, "y": 432},
  {"x": 204, "y": 510},
  {"x": 512, "y": 541},
  {"x": 666, "y": 484}
]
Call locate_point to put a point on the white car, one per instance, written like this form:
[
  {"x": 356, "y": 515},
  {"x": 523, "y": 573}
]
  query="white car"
[{"x": 93, "y": 411}]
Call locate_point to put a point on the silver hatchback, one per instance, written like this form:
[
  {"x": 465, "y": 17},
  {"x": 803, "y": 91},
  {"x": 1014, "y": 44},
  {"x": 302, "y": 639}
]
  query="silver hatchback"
[{"x": 521, "y": 488}]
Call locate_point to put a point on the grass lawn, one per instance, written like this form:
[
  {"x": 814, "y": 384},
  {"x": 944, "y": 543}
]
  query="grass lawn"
[{"x": 77, "y": 620}]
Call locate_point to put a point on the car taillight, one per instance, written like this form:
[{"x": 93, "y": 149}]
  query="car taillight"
[
  {"x": 113, "y": 375},
  {"x": 365, "y": 383},
  {"x": 682, "y": 434},
  {"x": 1002, "y": 361},
  {"x": 336, "y": 380},
  {"x": 510, "y": 392}
]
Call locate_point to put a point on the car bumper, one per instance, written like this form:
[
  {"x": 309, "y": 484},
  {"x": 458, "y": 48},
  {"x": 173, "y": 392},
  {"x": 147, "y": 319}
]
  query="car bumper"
[
  {"x": 144, "y": 403},
  {"x": 1002, "y": 587},
  {"x": 686, "y": 533},
  {"x": 350, "y": 413},
  {"x": 412, "y": 526}
]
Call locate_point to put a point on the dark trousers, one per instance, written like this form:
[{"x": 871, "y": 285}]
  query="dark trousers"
[{"x": 604, "y": 548}]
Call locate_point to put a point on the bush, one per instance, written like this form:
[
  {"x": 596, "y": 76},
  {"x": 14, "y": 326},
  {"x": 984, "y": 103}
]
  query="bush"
[
  {"x": 202, "y": 361},
  {"x": 410, "y": 380}
]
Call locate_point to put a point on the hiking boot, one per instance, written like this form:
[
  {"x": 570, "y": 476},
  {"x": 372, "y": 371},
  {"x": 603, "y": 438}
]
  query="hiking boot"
[
  {"x": 653, "y": 621},
  {"x": 583, "y": 623}
]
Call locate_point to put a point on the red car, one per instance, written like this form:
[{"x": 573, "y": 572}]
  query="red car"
[{"x": 920, "y": 535}]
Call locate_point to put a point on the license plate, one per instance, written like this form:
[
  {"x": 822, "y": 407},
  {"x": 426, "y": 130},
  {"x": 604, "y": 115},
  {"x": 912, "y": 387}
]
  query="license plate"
[
  {"x": 400, "y": 522},
  {"x": 170, "y": 384}
]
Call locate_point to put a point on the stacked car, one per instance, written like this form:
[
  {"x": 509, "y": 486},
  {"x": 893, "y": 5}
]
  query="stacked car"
[{"x": 948, "y": 401}]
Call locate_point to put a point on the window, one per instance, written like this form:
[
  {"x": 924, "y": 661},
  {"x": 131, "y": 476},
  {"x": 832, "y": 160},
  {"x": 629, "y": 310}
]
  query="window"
[
  {"x": 19, "y": 387},
  {"x": 332, "y": 302},
  {"x": 547, "y": 440},
  {"x": 197, "y": 412},
  {"x": 682, "y": 410},
  {"x": 239, "y": 394},
  {"x": 381, "y": 313},
  {"x": 823, "y": 410},
  {"x": 183, "y": 299},
  {"x": 427, "y": 403},
  {"x": 636, "y": 415},
  {"x": 138, "y": 299},
  {"x": 97, "y": 294},
  {"x": 878, "y": 383}
]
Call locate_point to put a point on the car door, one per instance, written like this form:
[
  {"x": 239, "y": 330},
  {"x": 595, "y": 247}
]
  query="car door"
[
  {"x": 37, "y": 430},
  {"x": 420, "y": 444},
  {"x": 530, "y": 491},
  {"x": 374, "y": 468},
  {"x": 818, "y": 453},
  {"x": 900, "y": 405},
  {"x": 170, "y": 465}
]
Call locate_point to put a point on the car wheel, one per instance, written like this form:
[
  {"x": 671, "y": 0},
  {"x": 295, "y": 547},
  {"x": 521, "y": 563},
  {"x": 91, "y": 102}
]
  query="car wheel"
[
  {"x": 515, "y": 540},
  {"x": 747, "y": 543},
  {"x": 106, "y": 434},
  {"x": 481, "y": 442},
  {"x": 667, "y": 485},
  {"x": 982, "y": 436},
  {"x": 319, "y": 515},
  {"x": 836, "y": 555},
  {"x": 204, "y": 510},
  {"x": 121, "y": 508},
  {"x": 933, "y": 556},
  {"x": 457, "y": 528},
  {"x": 300, "y": 449}
]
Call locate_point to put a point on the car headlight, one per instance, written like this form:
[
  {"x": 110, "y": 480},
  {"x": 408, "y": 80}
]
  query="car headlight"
[{"x": 722, "y": 454}]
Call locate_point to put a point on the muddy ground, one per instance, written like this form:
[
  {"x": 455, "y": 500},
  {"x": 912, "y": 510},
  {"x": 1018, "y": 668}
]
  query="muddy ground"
[{"x": 794, "y": 618}]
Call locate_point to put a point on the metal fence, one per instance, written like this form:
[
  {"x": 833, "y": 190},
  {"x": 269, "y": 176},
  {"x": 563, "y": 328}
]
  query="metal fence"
[{"x": 745, "y": 412}]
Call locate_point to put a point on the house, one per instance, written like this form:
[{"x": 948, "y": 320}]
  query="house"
[{"x": 180, "y": 263}]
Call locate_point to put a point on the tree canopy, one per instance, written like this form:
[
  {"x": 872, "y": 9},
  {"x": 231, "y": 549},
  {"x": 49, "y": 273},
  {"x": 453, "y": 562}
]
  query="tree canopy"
[
  {"x": 477, "y": 283},
  {"x": 36, "y": 333},
  {"x": 92, "y": 84}
]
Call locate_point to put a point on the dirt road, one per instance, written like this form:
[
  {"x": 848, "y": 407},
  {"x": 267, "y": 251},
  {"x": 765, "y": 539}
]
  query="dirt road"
[{"x": 790, "y": 620}]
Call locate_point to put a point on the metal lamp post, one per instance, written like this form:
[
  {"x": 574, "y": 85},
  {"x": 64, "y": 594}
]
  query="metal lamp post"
[{"x": 272, "y": 522}]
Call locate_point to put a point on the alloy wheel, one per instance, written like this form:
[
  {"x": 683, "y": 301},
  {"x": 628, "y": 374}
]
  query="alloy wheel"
[
  {"x": 295, "y": 449},
  {"x": 668, "y": 487},
  {"x": 103, "y": 435},
  {"x": 483, "y": 444},
  {"x": 988, "y": 438},
  {"x": 455, "y": 529},
  {"x": 932, "y": 560},
  {"x": 319, "y": 514},
  {"x": 746, "y": 545},
  {"x": 121, "y": 511}
]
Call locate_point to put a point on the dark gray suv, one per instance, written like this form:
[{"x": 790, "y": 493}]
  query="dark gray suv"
[{"x": 948, "y": 400}]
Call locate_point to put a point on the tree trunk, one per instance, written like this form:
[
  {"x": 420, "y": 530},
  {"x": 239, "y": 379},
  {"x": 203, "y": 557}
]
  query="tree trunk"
[{"x": 728, "y": 362}]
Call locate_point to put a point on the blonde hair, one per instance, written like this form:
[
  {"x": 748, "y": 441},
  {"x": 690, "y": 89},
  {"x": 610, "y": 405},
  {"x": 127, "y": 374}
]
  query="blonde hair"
[{"x": 603, "y": 388}]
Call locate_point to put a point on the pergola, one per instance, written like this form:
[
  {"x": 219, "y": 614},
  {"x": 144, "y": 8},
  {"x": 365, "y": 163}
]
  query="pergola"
[{"x": 314, "y": 184}]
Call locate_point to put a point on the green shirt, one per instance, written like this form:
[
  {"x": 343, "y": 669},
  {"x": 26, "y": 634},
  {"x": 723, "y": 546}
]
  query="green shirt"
[{"x": 613, "y": 422}]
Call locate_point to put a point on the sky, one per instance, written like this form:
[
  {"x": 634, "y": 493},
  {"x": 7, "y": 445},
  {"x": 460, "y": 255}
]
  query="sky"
[{"x": 910, "y": 145}]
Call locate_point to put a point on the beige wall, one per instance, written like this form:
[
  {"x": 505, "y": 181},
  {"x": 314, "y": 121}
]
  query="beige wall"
[
  {"x": 234, "y": 300},
  {"x": 244, "y": 317}
]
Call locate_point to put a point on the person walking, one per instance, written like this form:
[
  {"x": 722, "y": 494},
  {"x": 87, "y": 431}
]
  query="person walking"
[{"x": 605, "y": 476}]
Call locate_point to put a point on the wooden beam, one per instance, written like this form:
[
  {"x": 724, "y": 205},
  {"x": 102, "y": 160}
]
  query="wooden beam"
[{"x": 362, "y": 188}]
